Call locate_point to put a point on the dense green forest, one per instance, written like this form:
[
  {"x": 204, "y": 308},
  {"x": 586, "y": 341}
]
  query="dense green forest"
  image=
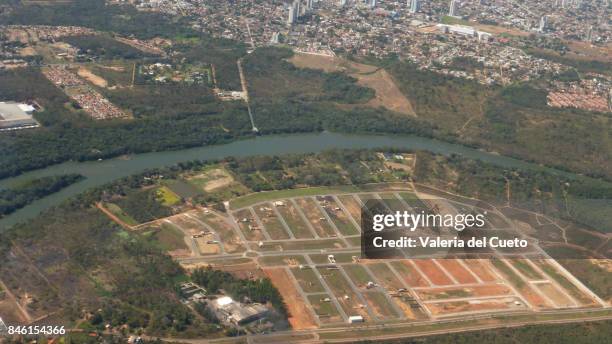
[
  {"x": 143, "y": 206},
  {"x": 27, "y": 192},
  {"x": 512, "y": 120},
  {"x": 104, "y": 47},
  {"x": 598, "y": 332},
  {"x": 98, "y": 15}
]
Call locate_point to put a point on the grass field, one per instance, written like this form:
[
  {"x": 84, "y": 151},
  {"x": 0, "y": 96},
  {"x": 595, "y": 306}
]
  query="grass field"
[
  {"x": 511, "y": 276},
  {"x": 339, "y": 257},
  {"x": 337, "y": 215},
  {"x": 167, "y": 196},
  {"x": 258, "y": 197},
  {"x": 304, "y": 245},
  {"x": 123, "y": 216},
  {"x": 183, "y": 189},
  {"x": 247, "y": 225},
  {"x": 325, "y": 310},
  {"x": 342, "y": 290},
  {"x": 523, "y": 266},
  {"x": 168, "y": 237},
  {"x": 308, "y": 280},
  {"x": 385, "y": 276},
  {"x": 380, "y": 305},
  {"x": 358, "y": 274},
  {"x": 593, "y": 274},
  {"x": 288, "y": 260},
  {"x": 295, "y": 222},
  {"x": 315, "y": 217},
  {"x": 270, "y": 220},
  {"x": 352, "y": 206},
  {"x": 564, "y": 282}
]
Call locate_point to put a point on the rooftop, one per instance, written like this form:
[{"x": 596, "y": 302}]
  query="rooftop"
[{"x": 16, "y": 115}]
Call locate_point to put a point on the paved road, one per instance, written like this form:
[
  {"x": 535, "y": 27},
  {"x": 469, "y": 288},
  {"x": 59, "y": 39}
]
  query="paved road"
[{"x": 281, "y": 337}]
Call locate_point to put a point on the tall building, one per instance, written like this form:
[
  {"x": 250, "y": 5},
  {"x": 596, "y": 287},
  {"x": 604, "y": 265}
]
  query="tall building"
[
  {"x": 454, "y": 8},
  {"x": 415, "y": 6},
  {"x": 298, "y": 9},
  {"x": 309, "y": 5},
  {"x": 292, "y": 14},
  {"x": 543, "y": 23}
]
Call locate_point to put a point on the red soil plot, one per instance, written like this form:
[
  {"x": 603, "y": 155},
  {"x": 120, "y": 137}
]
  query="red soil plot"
[
  {"x": 480, "y": 270},
  {"x": 410, "y": 275},
  {"x": 460, "y": 274},
  {"x": 433, "y": 272},
  {"x": 300, "y": 316}
]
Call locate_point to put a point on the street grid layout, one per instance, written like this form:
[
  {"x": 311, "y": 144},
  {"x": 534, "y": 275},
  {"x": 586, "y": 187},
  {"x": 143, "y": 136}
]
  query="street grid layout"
[{"x": 290, "y": 240}]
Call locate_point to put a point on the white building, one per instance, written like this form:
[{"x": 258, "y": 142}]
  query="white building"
[
  {"x": 453, "y": 10},
  {"x": 353, "y": 319},
  {"x": 16, "y": 116},
  {"x": 543, "y": 23},
  {"x": 415, "y": 6}
]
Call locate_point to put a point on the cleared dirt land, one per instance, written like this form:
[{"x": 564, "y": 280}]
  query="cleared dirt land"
[
  {"x": 410, "y": 275},
  {"x": 388, "y": 94},
  {"x": 461, "y": 292},
  {"x": 443, "y": 308},
  {"x": 91, "y": 77},
  {"x": 460, "y": 274},
  {"x": 300, "y": 317}
]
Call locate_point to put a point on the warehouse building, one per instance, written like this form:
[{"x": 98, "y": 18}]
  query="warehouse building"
[{"x": 15, "y": 116}]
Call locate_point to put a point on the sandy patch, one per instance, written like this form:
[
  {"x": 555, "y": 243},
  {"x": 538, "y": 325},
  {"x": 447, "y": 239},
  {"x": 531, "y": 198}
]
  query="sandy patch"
[
  {"x": 388, "y": 95},
  {"x": 91, "y": 77}
]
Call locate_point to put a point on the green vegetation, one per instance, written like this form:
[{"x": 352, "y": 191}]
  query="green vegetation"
[
  {"x": 581, "y": 199},
  {"x": 466, "y": 63},
  {"x": 342, "y": 88},
  {"x": 104, "y": 47},
  {"x": 143, "y": 205},
  {"x": 513, "y": 121},
  {"x": 167, "y": 197},
  {"x": 258, "y": 197},
  {"x": 96, "y": 14},
  {"x": 525, "y": 95},
  {"x": 261, "y": 290},
  {"x": 454, "y": 21},
  {"x": 167, "y": 238},
  {"x": 582, "y": 65},
  {"x": 526, "y": 269},
  {"x": 515, "y": 279},
  {"x": 115, "y": 210},
  {"x": 565, "y": 283},
  {"x": 578, "y": 333},
  {"x": 222, "y": 54},
  {"x": 27, "y": 192},
  {"x": 87, "y": 265},
  {"x": 595, "y": 276},
  {"x": 169, "y": 117},
  {"x": 289, "y": 99}
]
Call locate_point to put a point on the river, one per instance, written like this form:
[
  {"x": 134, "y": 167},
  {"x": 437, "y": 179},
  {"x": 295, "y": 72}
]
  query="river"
[{"x": 101, "y": 172}]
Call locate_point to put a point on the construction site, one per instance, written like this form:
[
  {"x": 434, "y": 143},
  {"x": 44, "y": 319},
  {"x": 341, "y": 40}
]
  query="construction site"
[{"x": 310, "y": 248}]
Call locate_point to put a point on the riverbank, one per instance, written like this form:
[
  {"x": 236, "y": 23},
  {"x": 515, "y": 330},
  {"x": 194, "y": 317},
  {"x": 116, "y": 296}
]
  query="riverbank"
[{"x": 98, "y": 173}]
